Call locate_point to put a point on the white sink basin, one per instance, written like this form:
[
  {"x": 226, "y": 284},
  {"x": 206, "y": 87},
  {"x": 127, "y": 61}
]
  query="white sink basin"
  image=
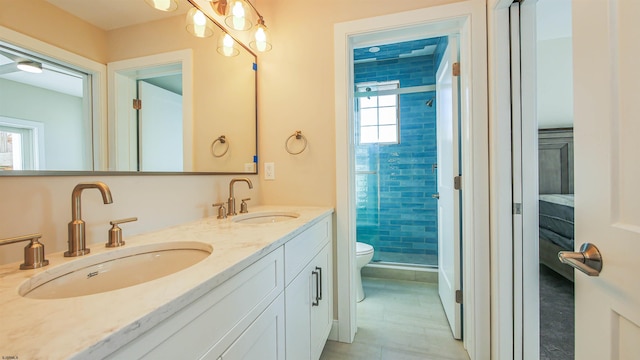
[
  {"x": 115, "y": 269},
  {"x": 265, "y": 217}
]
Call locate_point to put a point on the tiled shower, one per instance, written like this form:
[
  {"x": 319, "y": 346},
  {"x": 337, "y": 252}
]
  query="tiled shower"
[{"x": 396, "y": 212}]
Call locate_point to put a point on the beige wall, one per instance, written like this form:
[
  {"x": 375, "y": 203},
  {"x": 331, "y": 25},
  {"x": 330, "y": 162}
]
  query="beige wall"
[{"x": 296, "y": 92}]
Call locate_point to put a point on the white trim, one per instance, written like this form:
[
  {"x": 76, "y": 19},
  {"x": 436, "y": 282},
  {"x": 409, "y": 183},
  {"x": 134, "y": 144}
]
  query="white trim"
[
  {"x": 500, "y": 180},
  {"x": 183, "y": 57},
  {"x": 516, "y": 163},
  {"x": 467, "y": 18},
  {"x": 98, "y": 74}
]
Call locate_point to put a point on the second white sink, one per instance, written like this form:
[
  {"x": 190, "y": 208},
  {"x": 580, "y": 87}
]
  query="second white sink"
[
  {"x": 265, "y": 217},
  {"x": 114, "y": 270}
]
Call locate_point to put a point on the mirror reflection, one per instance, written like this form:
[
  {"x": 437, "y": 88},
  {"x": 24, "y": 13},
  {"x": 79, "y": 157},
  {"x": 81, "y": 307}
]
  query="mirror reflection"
[{"x": 119, "y": 93}]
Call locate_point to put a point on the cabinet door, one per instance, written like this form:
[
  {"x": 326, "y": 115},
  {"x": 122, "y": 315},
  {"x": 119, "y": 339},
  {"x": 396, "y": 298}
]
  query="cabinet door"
[
  {"x": 322, "y": 313},
  {"x": 263, "y": 339},
  {"x": 298, "y": 320}
]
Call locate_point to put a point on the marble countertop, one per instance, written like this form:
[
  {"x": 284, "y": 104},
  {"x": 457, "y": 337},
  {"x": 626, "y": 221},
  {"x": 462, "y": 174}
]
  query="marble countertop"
[{"x": 93, "y": 326}]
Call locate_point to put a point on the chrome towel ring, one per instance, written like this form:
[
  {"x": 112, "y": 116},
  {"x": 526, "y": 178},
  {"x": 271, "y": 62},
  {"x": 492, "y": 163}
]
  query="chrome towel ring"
[
  {"x": 295, "y": 136},
  {"x": 222, "y": 140}
]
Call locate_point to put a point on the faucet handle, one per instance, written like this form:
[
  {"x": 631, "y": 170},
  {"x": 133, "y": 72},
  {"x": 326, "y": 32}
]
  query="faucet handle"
[
  {"x": 33, "y": 253},
  {"x": 222, "y": 212},
  {"x": 243, "y": 206},
  {"x": 115, "y": 233}
]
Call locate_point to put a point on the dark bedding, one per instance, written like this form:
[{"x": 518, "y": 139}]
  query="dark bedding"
[{"x": 556, "y": 219}]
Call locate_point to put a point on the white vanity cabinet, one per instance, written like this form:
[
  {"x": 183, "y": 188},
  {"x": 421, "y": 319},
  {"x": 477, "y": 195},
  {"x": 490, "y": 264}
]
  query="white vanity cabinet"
[
  {"x": 279, "y": 307},
  {"x": 308, "y": 292}
]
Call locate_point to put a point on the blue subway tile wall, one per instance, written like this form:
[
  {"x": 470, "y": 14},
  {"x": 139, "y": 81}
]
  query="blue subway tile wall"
[{"x": 394, "y": 182}]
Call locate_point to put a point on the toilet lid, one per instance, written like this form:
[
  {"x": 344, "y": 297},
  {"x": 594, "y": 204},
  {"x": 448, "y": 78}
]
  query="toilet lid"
[{"x": 362, "y": 248}]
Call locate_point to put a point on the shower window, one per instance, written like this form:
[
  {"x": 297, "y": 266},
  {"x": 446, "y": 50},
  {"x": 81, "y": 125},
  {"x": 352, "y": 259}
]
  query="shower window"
[{"x": 377, "y": 106}]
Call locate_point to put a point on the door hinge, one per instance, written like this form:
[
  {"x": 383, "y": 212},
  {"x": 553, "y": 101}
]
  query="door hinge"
[
  {"x": 457, "y": 182},
  {"x": 458, "y": 296},
  {"x": 137, "y": 104},
  {"x": 455, "y": 69},
  {"x": 517, "y": 208}
]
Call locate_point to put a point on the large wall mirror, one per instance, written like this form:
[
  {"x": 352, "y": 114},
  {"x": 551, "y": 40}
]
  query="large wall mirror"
[{"x": 121, "y": 86}]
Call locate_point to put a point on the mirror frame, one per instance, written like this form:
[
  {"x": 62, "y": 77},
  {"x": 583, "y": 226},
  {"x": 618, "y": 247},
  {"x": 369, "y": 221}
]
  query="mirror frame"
[{"x": 99, "y": 111}]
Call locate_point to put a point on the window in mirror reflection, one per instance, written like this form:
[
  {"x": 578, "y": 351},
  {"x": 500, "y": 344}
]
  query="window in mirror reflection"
[{"x": 45, "y": 114}]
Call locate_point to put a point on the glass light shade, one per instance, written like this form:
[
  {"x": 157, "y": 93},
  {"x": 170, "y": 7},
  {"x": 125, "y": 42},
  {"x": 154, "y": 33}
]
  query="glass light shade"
[
  {"x": 261, "y": 38},
  {"x": 163, "y": 5},
  {"x": 227, "y": 46},
  {"x": 238, "y": 15},
  {"x": 30, "y": 66},
  {"x": 198, "y": 24}
]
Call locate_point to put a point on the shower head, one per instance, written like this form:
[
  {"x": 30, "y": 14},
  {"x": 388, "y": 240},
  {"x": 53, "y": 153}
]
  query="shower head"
[{"x": 429, "y": 102}]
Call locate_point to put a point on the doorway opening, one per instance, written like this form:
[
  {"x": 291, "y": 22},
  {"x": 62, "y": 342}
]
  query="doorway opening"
[
  {"x": 554, "y": 108},
  {"x": 424, "y": 23},
  {"x": 155, "y": 134}
]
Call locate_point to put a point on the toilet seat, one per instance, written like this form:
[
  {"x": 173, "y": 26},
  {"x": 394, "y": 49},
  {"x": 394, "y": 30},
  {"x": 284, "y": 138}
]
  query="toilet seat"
[{"x": 363, "y": 249}]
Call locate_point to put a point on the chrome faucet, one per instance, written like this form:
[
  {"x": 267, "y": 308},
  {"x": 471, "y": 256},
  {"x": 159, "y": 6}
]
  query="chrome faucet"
[
  {"x": 231, "y": 208},
  {"x": 77, "y": 242}
]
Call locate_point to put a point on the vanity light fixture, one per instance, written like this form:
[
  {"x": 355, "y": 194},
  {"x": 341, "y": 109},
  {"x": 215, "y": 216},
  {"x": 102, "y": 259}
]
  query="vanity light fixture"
[
  {"x": 30, "y": 66},
  {"x": 163, "y": 5},
  {"x": 227, "y": 46},
  {"x": 198, "y": 24}
]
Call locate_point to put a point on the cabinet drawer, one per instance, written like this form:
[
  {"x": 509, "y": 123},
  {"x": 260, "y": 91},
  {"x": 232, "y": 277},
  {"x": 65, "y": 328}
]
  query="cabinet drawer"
[
  {"x": 215, "y": 319},
  {"x": 299, "y": 251}
]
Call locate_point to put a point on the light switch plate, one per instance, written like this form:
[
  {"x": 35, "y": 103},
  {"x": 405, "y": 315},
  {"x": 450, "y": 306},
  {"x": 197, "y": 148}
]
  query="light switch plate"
[{"x": 269, "y": 171}]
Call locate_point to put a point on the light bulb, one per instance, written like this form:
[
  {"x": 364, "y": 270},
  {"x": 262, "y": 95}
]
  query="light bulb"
[
  {"x": 199, "y": 23},
  {"x": 261, "y": 39},
  {"x": 163, "y": 5},
  {"x": 227, "y": 44},
  {"x": 238, "y": 15}
]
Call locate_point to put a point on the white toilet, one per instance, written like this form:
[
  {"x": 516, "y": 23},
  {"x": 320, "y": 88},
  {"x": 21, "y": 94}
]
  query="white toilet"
[{"x": 364, "y": 254}]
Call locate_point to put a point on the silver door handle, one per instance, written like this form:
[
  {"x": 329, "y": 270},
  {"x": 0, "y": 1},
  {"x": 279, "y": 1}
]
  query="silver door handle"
[
  {"x": 588, "y": 260},
  {"x": 435, "y": 196}
]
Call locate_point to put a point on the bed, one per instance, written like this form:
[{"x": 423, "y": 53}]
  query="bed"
[
  {"x": 556, "y": 230},
  {"x": 556, "y": 209}
]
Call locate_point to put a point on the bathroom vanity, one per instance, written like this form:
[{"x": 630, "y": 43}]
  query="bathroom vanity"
[{"x": 264, "y": 292}]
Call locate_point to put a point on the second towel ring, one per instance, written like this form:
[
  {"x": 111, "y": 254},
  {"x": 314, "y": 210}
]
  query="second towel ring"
[
  {"x": 298, "y": 136},
  {"x": 222, "y": 140}
]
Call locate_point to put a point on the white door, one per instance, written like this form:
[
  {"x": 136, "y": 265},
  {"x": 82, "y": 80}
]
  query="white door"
[
  {"x": 159, "y": 129},
  {"x": 449, "y": 198},
  {"x": 607, "y": 171}
]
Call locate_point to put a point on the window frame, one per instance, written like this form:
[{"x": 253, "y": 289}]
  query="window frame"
[{"x": 377, "y": 89}]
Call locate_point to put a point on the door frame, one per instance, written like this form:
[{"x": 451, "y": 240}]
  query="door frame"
[{"x": 469, "y": 19}]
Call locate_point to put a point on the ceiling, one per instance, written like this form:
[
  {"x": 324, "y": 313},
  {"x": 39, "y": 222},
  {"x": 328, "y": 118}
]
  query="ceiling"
[
  {"x": 114, "y": 14},
  {"x": 397, "y": 50}
]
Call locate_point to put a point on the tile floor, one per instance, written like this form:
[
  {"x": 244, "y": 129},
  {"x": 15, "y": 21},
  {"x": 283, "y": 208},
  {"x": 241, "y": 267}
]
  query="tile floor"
[{"x": 399, "y": 320}]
